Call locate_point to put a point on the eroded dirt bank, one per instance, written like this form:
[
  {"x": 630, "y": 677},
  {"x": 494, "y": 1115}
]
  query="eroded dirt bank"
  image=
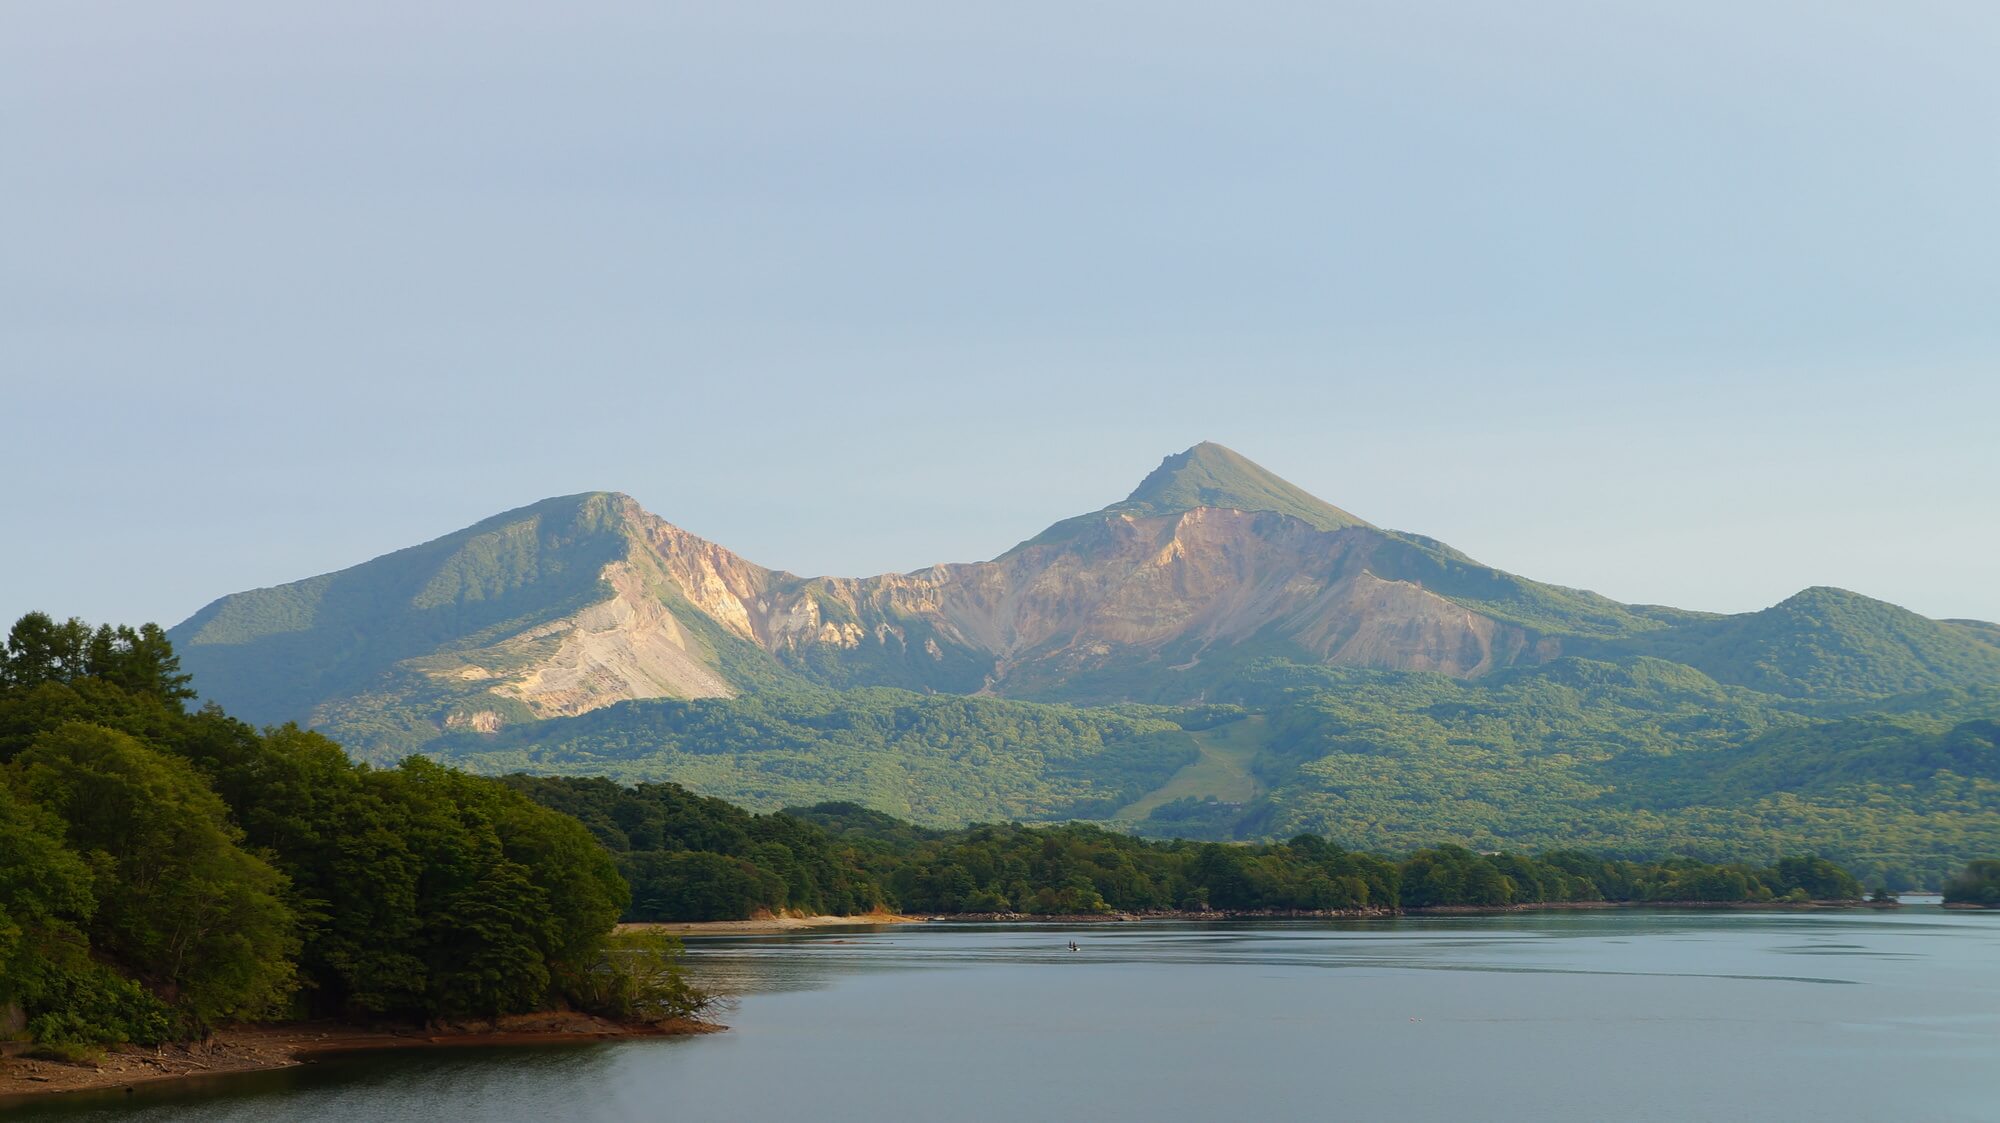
[{"x": 263, "y": 1047}]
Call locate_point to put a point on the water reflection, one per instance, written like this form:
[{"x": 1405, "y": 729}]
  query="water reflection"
[
  {"x": 1557, "y": 1016},
  {"x": 1557, "y": 942}
]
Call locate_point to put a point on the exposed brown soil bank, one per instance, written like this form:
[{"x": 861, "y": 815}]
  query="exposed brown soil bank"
[
  {"x": 257, "y": 1048},
  {"x": 767, "y": 924}
]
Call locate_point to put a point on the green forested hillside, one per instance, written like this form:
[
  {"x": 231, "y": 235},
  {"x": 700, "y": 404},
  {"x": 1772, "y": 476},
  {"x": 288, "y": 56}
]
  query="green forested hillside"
[
  {"x": 692, "y": 858},
  {"x": 1637, "y": 758},
  {"x": 1828, "y": 643},
  {"x": 935, "y": 758},
  {"x": 688, "y": 857}
]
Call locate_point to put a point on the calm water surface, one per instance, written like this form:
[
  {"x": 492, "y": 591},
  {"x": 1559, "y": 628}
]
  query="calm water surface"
[{"x": 1558, "y": 1016}]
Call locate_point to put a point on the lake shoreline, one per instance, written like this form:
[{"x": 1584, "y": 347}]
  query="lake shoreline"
[
  {"x": 1392, "y": 913},
  {"x": 267, "y": 1047},
  {"x": 782, "y": 925},
  {"x": 767, "y": 925}
]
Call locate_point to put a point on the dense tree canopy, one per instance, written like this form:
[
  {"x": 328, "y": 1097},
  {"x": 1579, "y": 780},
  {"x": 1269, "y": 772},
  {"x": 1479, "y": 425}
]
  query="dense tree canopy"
[
  {"x": 692, "y": 858},
  {"x": 1977, "y": 884},
  {"x": 162, "y": 871}
]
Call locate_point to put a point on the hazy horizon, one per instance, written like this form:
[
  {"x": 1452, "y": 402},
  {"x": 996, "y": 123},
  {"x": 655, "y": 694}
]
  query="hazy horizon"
[{"x": 1686, "y": 304}]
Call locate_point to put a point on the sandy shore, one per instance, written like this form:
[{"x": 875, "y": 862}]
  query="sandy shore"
[
  {"x": 264, "y": 1047},
  {"x": 776, "y": 925},
  {"x": 769, "y": 925}
]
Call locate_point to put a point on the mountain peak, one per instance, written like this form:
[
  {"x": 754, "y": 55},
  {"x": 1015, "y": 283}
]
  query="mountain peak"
[{"x": 1209, "y": 475}]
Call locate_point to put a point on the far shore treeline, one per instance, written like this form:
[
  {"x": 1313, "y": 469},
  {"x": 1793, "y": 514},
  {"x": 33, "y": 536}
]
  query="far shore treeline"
[
  {"x": 163, "y": 872},
  {"x": 692, "y": 858}
]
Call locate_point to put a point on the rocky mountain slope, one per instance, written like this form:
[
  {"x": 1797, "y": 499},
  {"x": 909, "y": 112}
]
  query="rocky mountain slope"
[{"x": 581, "y": 602}]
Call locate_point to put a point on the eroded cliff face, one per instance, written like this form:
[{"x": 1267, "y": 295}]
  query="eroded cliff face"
[
  {"x": 1122, "y": 588},
  {"x": 1130, "y": 582},
  {"x": 628, "y": 646},
  {"x": 1216, "y": 577},
  {"x": 624, "y": 648}
]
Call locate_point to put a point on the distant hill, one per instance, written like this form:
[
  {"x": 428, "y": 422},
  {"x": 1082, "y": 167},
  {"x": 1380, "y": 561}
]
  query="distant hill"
[
  {"x": 1368, "y": 677},
  {"x": 1829, "y": 643}
]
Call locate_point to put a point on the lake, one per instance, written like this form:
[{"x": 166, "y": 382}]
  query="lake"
[{"x": 1587, "y": 1016}]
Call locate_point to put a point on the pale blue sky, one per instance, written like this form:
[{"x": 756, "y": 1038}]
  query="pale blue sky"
[{"x": 1694, "y": 303}]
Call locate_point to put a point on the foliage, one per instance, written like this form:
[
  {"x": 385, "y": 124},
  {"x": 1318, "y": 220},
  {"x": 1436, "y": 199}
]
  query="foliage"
[
  {"x": 180, "y": 903},
  {"x": 642, "y": 977},
  {"x": 87, "y": 1004},
  {"x": 1637, "y": 757},
  {"x": 137, "y": 661},
  {"x": 1827, "y": 642},
  {"x": 1977, "y": 884},
  {"x": 162, "y": 871},
  {"x": 937, "y": 758},
  {"x": 45, "y": 890},
  {"x": 694, "y": 859}
]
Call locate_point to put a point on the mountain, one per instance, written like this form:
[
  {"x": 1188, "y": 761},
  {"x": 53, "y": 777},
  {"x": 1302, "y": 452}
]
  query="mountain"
[
  {"x": 1270, "y": 663},
  {"x": 1212, "y": 562},
  {"x": 583, "y": 601},
  {"x": 540, "y": 611}
]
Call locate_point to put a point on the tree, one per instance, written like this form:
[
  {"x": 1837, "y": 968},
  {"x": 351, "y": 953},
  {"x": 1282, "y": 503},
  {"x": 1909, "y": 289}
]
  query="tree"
[
  {"x": 193, "y": 915},
  {"x": 1820, "y": 879},
  {"x": 45, "y": 892},
  {"x": 1977, "y": 884},
  {"x": 40, "y": 650},
  {"x": 140, "y": 661},
  {"x": 513, "y": 899}
]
